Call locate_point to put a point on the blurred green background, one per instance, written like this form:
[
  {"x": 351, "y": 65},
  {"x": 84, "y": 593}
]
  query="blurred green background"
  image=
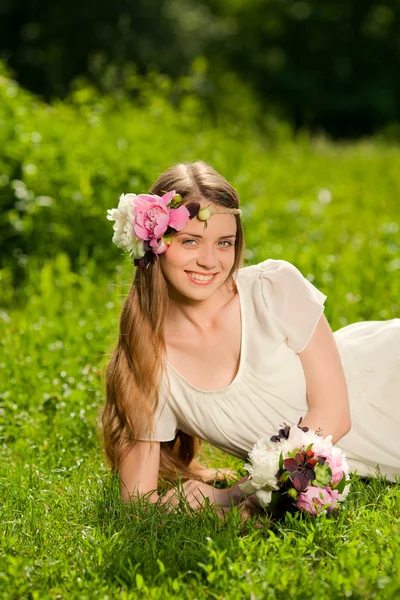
[
  {"x": 330, "y": 65},
  {"x": 284, "y": 98}
]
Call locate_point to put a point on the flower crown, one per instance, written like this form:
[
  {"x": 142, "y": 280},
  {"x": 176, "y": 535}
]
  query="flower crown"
[{"x": 144, "y": 222}]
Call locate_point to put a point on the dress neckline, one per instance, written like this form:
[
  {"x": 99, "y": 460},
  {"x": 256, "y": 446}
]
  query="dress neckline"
[{"x": 241, "y": 358}]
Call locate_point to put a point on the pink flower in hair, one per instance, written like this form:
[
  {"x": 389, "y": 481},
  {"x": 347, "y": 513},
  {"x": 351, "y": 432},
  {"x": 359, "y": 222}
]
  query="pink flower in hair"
[
  {"x": 152, "y": 217},
  {"x": 142, "y": 220}
]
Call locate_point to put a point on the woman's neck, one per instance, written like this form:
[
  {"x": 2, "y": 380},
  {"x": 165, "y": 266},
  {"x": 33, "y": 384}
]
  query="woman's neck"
[{"x": 203, "y": 316}]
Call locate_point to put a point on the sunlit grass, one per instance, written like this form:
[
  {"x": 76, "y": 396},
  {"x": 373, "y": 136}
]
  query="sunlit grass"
[
  {"x": 64, "y": 531},
  {"x": 330, "y": 209}
]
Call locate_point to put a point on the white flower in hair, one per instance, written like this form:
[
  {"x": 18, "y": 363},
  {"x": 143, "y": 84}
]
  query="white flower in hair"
[{"x": 123, "y": 216}]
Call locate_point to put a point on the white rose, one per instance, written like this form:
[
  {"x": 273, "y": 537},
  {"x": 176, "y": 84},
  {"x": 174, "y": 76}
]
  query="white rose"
[
  {"x": 123, "y": 216},
  {"x": 263, "y": 468},
  {"x": 263, "y": 496}
]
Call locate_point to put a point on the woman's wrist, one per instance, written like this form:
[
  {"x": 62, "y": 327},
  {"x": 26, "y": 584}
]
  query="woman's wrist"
[{"x": 234, "y": 495}]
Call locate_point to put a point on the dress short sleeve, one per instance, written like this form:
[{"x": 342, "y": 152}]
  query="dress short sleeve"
[
  {"x": 165, "y": 424},
  {"x": 296, "y": 304}
]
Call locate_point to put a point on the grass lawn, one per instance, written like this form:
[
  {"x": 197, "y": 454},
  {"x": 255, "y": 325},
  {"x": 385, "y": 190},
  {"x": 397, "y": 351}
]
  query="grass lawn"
[
  {"x": 331, "y": 210},
  {"x": 64, "y": 532}
]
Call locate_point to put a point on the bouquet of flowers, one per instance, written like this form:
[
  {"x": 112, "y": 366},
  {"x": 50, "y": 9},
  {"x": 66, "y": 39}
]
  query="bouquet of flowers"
[{"x": 297, "y": 469}]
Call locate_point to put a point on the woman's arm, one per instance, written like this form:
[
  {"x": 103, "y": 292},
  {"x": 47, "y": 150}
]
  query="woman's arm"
[
  {"x": 139, "y": 469},
  {"x": 327, "y": 397},
  {"x": 197, "y": 491},
  {"x": 326, "y": 384},
  {"x": 326, "y": 392}
]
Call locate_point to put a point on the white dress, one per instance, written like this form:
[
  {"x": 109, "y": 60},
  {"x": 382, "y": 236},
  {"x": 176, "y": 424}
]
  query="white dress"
[{"x": 280, "y": 309}]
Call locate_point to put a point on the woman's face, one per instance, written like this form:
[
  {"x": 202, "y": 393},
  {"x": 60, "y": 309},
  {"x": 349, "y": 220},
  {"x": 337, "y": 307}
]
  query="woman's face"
[{"x": 199, "y": 259}]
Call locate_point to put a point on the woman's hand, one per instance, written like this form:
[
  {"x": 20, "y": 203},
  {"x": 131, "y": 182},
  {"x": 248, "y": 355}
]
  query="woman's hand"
[
  {"x": 249, "y": 508},
  {"x": 195, "y": 492}
]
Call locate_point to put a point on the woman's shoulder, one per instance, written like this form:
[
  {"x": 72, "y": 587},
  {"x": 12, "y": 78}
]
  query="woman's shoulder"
[
  {"x": 253, "y": 279},
  {"x": 278, "y": 280},
  {"x": 294, "y": 303},
  {"x": 269, "y": 267}
]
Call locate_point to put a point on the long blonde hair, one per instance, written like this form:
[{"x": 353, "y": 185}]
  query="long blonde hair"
[{"x": 134, "y": 373}]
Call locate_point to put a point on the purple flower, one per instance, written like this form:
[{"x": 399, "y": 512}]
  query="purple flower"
[{"x": 301, "y": 469}]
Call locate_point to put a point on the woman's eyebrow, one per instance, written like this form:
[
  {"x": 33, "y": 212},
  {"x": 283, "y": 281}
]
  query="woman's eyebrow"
[{"x": 196, "y": 235}]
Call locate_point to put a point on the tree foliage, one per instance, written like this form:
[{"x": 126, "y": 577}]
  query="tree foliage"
[{"x": 331, "y": 64}]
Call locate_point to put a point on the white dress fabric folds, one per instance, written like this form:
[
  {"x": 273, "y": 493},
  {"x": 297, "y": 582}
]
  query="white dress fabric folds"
[{"x": 280, "y": 309}]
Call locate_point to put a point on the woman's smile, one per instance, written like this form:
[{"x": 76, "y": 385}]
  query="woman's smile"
[{"x": 199, "y": 278}]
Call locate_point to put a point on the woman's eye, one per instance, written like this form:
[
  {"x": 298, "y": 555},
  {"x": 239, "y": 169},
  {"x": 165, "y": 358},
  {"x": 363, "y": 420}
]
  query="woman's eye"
[{"x": 227, "y": 244}]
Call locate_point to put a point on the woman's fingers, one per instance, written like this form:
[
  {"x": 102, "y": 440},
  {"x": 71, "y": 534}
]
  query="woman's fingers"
[
  {"x": 171, "y": 499},
  {"x": 173, "y": 502},
  {"x": 197, "y": 494},
  {"x": 169, "y": 494},
  {"x": 221, "y": 512},
  {"x": 244, "y": 511}
]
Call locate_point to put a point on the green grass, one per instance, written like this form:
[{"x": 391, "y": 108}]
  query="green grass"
[
  {"x": 64, "y": 531},
  {"x": 330, "y": 209}
]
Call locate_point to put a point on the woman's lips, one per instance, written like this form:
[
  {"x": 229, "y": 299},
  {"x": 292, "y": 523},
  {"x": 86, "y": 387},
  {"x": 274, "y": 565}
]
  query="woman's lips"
[{"x": 204, "y": 282}]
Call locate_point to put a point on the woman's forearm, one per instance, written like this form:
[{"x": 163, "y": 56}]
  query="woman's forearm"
[{"x": 333, "y": 424}]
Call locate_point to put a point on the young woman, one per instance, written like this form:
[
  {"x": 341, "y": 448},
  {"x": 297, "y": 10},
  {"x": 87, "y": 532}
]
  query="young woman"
[{"x": 209, "y": 349}]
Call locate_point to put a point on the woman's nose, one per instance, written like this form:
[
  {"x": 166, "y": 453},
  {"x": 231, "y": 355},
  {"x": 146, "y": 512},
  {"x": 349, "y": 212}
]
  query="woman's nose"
[{"x": 206, "y": 257}]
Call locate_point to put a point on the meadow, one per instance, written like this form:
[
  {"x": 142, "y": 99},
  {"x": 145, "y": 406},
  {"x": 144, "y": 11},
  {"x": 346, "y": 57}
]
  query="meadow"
[{"x": 331, "y": 209}]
